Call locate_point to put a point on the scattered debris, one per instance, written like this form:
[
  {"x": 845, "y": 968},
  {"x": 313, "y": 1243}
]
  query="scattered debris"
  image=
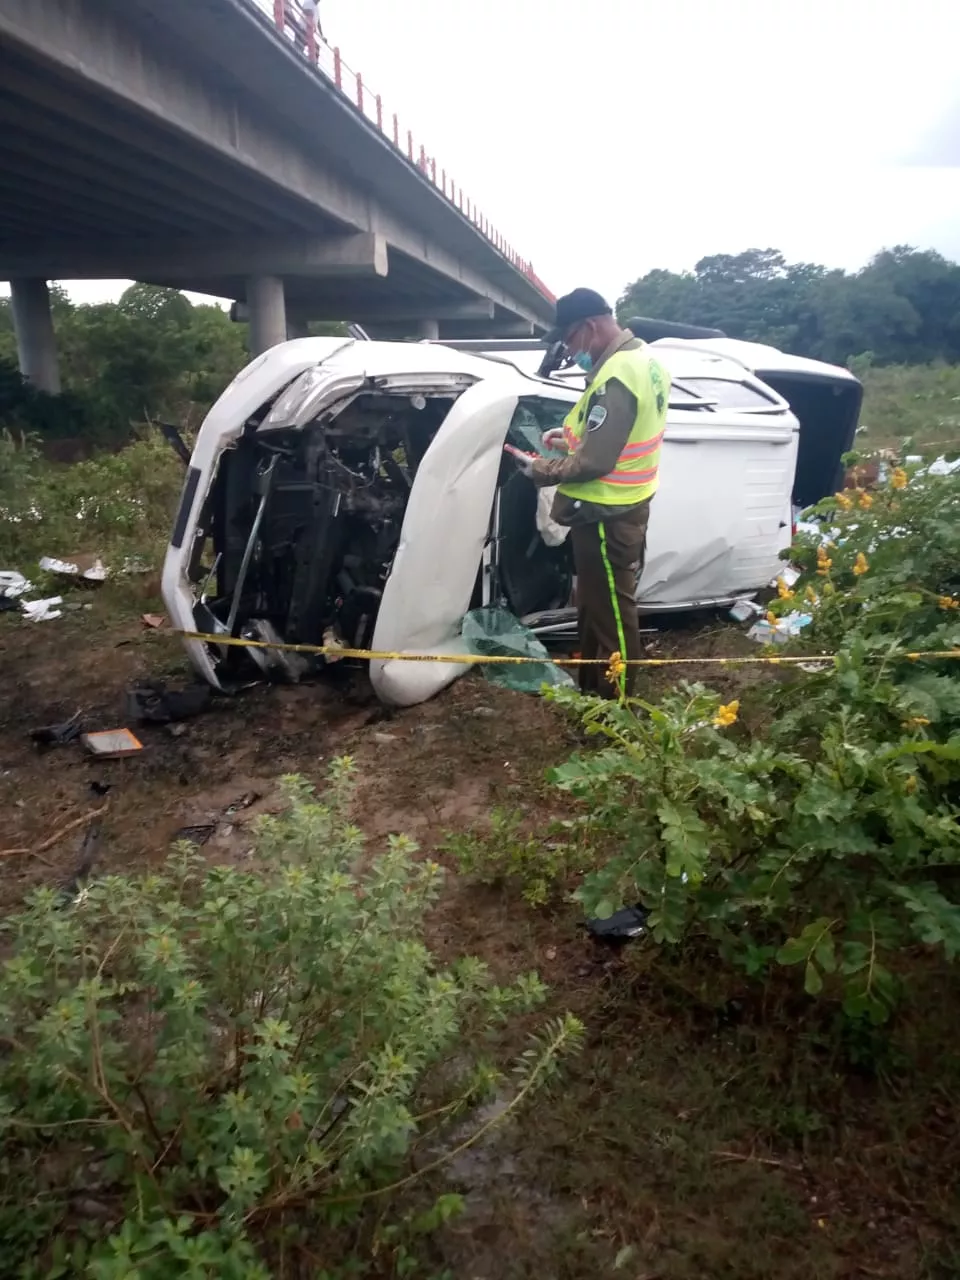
[
  {"x": 42, "y": 610},
  {"x": 384, "y": 739},
  {"x": 245, "y": 801},
  {"x": 57, "y": 735},
  {"x": 58, "y": 835},
  {"x": 13, "y": 585},
  {"x": 745, "y": 610},
  {"x": 152, "y": 620},
  {"x": 495, "y": 632},
  {"x": 623, "y": 926},
  {"x": 788, "y": 628},
  {"x": 111, "y": 744},
  {"x": 73, "y": 886},
  {"x": 85, "y": 568},
  {"x": 198, "y": 835},
  {"x": 151, "y": 702}
]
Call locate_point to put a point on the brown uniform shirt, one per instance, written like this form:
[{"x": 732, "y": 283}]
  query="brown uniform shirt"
[{"x": 599, "y": 449}]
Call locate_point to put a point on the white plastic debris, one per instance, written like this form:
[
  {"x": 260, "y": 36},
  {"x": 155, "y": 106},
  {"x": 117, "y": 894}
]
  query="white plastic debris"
[
  {"x": 745, "y": 610},
  {"x": 94, "y": 572},
  {"x": 13, "y": 585},
  {"x": 788, "y": 628},
  {"x": 789, "y": 575},
  {"x": 941, "y": 467},
  {"x": 42, "y": 610}
]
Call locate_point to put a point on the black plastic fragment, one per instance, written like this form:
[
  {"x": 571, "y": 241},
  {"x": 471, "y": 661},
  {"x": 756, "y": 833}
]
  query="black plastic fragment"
[
  {"x": 623, "y": 926},
  {"x": 151, "y": 702},
  {"x": 56, "y": 735}
]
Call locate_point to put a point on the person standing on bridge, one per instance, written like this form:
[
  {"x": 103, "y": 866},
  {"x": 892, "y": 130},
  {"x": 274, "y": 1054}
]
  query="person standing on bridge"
[{"x": 612, "y": 438}]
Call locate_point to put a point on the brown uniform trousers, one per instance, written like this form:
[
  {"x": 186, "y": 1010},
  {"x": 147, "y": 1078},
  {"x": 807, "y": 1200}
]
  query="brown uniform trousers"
[{"x": 608, "y": 557}]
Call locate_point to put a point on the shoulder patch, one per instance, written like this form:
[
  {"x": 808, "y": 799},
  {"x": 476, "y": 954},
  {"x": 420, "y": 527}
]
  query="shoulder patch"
[{"x": 596, "y": 418}]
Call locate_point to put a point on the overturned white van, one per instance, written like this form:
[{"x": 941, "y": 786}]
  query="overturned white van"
[{"x": 354, "y": 492}]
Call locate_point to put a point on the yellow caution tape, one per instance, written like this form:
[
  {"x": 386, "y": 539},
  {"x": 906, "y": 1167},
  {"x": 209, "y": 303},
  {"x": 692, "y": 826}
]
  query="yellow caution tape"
[{"x": 476, "y": 659}]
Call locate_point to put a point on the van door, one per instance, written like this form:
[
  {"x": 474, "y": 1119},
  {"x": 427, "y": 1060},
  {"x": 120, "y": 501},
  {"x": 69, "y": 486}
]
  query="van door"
[
  {"x": 441, "y": 543},
  {"x": 722, "y": 513}
]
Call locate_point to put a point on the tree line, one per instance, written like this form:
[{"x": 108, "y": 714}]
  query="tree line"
[{"x": 903, "y": 307}]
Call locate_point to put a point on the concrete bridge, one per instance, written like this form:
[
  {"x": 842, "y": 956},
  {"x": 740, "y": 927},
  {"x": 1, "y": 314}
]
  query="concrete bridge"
[{"x": 220, "y": 146}]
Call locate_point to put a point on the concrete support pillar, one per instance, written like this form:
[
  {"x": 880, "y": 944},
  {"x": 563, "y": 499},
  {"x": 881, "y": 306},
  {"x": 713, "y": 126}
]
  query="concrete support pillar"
[
  {"x": 268, "y": 313},
  {"x": 429, "y": 329},
  {"x": 36, "y": 344}
]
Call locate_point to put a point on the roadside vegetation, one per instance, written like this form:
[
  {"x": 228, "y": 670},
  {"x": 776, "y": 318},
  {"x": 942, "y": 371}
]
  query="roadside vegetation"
[{"x": 290, "y": 1066}]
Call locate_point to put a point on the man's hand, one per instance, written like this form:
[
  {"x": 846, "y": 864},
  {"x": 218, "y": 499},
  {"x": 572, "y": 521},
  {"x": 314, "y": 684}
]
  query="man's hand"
[
  {"x": 555, "y": 440},
  {"x": 523, "y": 461}
]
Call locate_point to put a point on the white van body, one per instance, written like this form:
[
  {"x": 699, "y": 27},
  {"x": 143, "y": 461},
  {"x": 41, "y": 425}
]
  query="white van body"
[{"x": 303, "y": 520}]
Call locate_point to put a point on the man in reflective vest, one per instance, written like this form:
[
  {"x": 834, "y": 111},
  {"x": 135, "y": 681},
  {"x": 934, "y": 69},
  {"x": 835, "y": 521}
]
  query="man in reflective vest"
[{"x": 612, "y": 439}]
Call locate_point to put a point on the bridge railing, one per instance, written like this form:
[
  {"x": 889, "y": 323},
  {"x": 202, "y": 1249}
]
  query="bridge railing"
[{"x": 289, "y": 18}]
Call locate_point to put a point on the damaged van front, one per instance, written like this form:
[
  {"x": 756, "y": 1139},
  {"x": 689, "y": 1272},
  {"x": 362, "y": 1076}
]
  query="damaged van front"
[{"x": 339, "y": 495}]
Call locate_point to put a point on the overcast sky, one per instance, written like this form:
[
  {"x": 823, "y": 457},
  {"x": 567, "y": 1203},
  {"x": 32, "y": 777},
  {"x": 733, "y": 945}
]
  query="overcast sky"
[{"x": 607, "y": 137}]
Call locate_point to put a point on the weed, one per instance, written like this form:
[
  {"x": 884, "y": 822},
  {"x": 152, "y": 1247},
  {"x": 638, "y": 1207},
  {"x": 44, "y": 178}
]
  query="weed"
[{"x": 238, "y": 1064}]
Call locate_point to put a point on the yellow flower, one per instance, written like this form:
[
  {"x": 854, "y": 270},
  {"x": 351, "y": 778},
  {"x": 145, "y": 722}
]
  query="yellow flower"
[
  {"x": 865, "y": 501},
  {"x": 915, "y": 722},
  {"x": 773, "y": 620},
  {"x": 727, "y": 714},
  {"x": 783, "y": 591},
  {"x": 860, "y": 565},
  {"x": 616, "y": 669},
  {"x": 948, "y": 602},
  {"x": 823, "y": 560},
  {"x": 910, "y": 785},
  {"x": 811, "y": 596},
  {"x": 844, "y": 502},
  {"x": 899, "y": 478},
  {"x": 824, "y": 568}
]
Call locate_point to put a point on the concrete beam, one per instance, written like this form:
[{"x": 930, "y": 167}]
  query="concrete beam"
[
  {"x": 338, "y": 256},
  {"x": 393, "y": 309},
  {"x": 36, "y": 344},
  {"x": 428, "y": 329}
]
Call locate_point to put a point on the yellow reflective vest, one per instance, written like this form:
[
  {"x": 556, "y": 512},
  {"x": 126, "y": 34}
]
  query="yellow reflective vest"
[{"x": 636, "y": 475}]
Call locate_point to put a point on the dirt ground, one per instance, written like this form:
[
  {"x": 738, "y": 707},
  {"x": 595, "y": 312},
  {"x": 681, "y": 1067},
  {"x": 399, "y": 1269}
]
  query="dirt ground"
[{"x": 690, "y": 1141}]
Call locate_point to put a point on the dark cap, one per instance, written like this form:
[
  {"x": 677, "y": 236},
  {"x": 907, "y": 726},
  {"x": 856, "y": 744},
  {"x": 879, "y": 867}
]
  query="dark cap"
[{"x": 582, "y": 304}]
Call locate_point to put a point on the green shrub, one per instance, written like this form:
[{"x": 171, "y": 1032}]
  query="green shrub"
[
  {"x": 503, "y": 852},
  {"x": 830, "y": 839},
  {"x": 239, "y": 1063},
  {"x": 112, "y": 504}
]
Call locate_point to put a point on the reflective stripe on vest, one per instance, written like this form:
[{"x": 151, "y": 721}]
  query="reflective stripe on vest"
[{"x": 637, "y": 472}]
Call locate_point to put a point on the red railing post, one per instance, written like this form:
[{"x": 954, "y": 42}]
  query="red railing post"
[
  {"x": 410, "y": 143},
  {"x": 337, "y": 68},
  {"x": 280, "y": 14},
  {"x": 423, "y": 158},
  {"x": 313, "y": 53},
  {"x": 433, "y": 171},
  {"x": 379, "y": 113},
  {"x": 443, "y": 181},
  {"x": 396, "y": 131},
  {"x": 359, "y": 90}
]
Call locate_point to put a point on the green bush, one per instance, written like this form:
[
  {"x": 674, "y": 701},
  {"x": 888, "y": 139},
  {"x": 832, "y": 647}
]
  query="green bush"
[
  {"x": 239, "y": 1063},
  {"x": 113, "y": 504},
  {"x": 828, "y": 840},
  {"x": 504, "y": 852}
]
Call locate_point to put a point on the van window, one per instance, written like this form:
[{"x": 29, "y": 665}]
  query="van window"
[{"x": 726, "y": 394}]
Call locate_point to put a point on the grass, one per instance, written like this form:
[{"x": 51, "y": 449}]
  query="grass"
[{"x": 919, "y": 405}]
